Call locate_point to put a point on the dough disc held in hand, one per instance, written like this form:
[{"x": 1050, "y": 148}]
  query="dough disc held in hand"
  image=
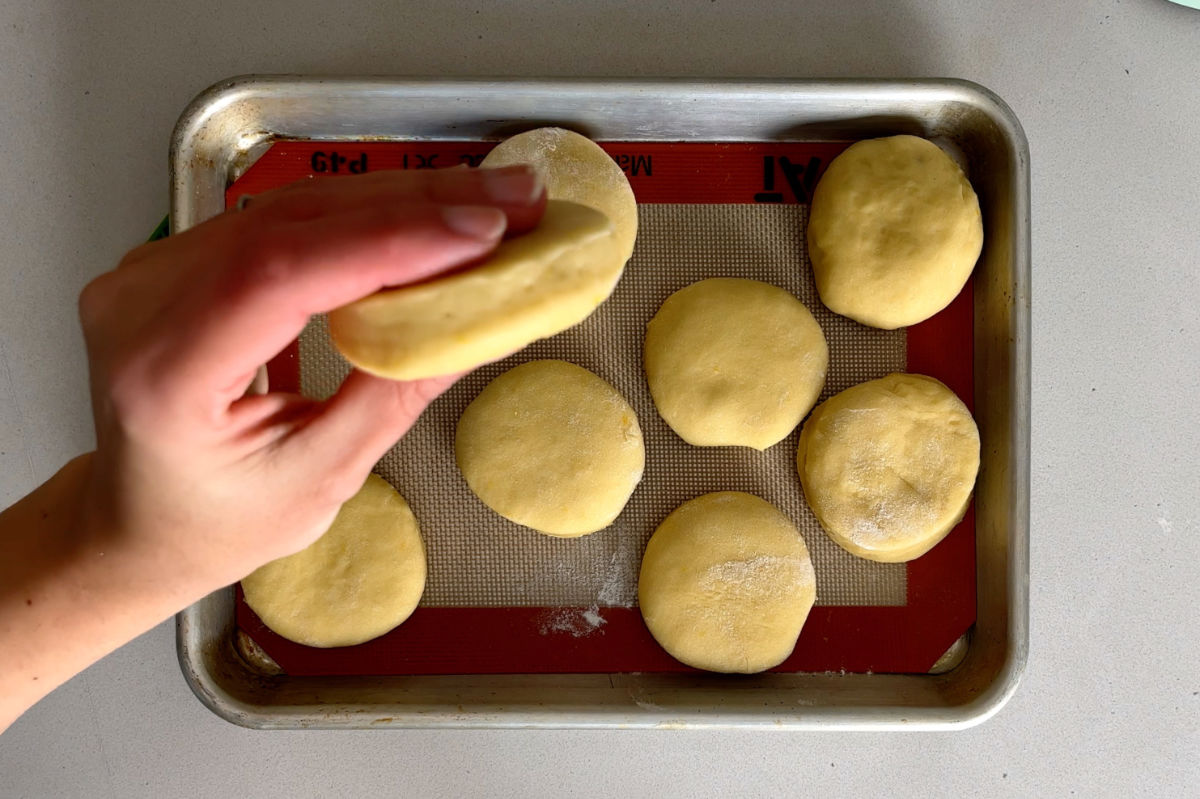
[
  {"x": 888, "y": 466},
  {"x": 734, "y": 362},
  {"x": 726, "y": 584},
  {"x": 551, "y": 446},
  {"x": 575, "y": 168},
  {"x": 894, "y": 232},
  {"x": 531, "y": 287},
  {"x": 356, "y": 582}
]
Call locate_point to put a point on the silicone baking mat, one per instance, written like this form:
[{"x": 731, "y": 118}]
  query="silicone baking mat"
[{"x": 503, "y": 599}]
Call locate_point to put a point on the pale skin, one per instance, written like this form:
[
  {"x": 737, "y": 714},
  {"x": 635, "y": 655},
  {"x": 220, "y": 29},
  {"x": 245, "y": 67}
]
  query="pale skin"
[{"x": 194, "y": 482}]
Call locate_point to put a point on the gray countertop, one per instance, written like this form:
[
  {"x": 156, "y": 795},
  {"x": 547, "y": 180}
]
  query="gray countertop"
[{"x": 1109, "y": 94}]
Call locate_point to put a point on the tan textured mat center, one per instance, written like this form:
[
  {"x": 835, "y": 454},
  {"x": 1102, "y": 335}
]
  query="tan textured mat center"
[{"x": 477, "y": 558}]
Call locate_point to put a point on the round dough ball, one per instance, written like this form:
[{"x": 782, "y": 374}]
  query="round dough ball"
[
  {"x": 551, "y": 446},
  {"x": 726, "y": 584},
  {"x": 894, "y": 232},
  {"x": 888, "y": 466},
  {"x": 531, "y": 287},
  {"x": 734, "y": 362},
  {"x": 356, "y": 582},
  {"x": 575, "y": 168}
]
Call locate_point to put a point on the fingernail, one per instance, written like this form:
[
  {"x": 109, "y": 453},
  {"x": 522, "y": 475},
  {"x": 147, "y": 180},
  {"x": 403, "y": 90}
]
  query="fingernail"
[
  {"x": 513, "y": 186},
  {"x": 475, "y": 221}
]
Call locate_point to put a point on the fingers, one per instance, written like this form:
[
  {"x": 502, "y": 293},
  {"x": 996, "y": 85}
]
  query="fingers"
[
  {"x": 319, "y": 245},
  {"x": 311, "y": 267},
  {"x": 245, "y": 318},
  {"x": 517, "y": 190},
  {"x": 358, "y": 425}
]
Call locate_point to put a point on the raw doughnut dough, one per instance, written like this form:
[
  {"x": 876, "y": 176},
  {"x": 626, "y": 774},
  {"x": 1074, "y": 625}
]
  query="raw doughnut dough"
[
  {"x": 575, "y": 168},
  {"x": 551, "y": 446},
  {"x": 726, "y": 583},
  {"x": 532, "y": 286},
  {"x": 734, "y": 362},
  {"x": 894, "y": 232},
  {"x": 356, "y": 582},
  {"x": 888, "y": 466}
]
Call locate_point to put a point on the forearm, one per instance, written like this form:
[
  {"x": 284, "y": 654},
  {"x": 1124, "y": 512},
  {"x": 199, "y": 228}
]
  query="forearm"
[
  {"x": 67, "y": 596},
  {"x": 194, "y": 484}
]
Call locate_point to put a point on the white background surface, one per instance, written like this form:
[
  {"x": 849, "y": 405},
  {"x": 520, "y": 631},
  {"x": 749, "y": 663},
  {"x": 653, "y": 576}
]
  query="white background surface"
[{"x": 1109, "y": 94}]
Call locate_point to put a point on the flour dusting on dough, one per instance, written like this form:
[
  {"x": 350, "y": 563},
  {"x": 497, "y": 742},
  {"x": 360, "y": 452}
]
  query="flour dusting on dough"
[{"x": 760, "y": 576}]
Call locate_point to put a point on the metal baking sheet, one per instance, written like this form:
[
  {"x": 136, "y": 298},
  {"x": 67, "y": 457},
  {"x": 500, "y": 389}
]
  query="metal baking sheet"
[
  {"x": 502, "y": 599},
  {"x": 227, "y": 128}
]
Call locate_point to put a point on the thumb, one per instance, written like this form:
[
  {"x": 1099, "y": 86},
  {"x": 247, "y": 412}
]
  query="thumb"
[{"x": 356, "y": 426}]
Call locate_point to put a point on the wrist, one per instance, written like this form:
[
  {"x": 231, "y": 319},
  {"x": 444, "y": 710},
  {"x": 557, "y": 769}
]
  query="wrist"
[
  {"x": 66, "y": 597},
  {"x": 124, "y": 565}
]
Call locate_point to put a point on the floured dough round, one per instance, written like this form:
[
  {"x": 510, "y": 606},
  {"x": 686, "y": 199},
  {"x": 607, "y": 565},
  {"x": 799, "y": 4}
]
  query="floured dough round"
[
  {"x": 356, "y": 582},
  {"x": 532, "y": 286},
  {"x": 575, "y": 168},
  {"x": 551, "y": 446},
  {"x": 726, "y": 583},
  {"x": 734, "y": 362},
  {"x": 894, "y": 231},
  {"x": 888, "y": 466}
]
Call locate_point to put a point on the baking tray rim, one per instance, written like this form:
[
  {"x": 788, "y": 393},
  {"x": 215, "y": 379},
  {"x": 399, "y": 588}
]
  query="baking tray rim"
[{"x": 201, "y": 644}]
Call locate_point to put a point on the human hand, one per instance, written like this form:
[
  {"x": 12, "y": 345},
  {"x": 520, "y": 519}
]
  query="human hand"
[{"x": 199, "y": 482}]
